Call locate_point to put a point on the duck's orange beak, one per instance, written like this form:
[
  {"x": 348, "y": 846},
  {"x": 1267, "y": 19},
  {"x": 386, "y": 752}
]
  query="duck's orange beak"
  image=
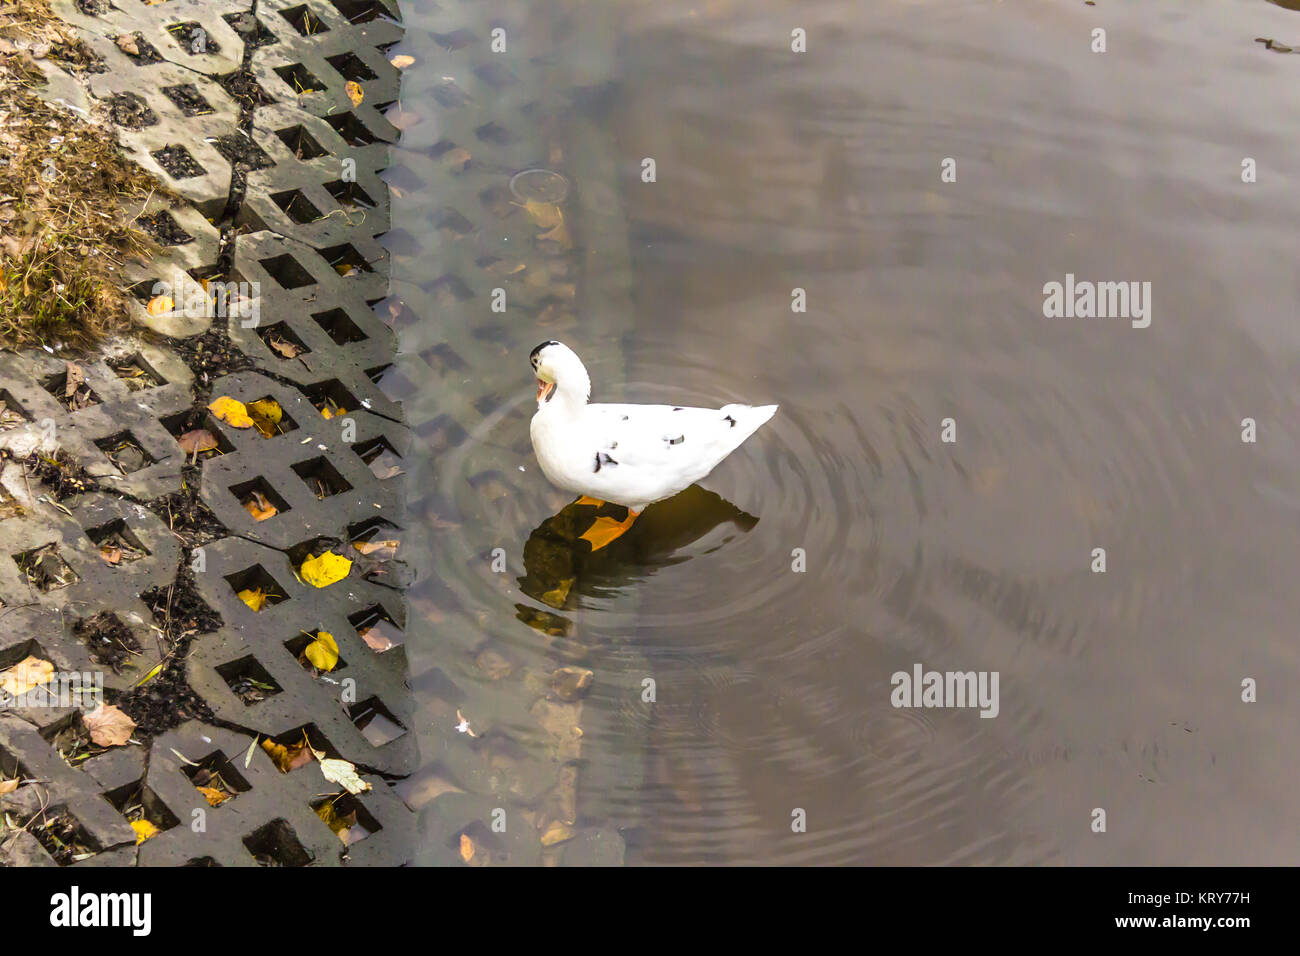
[{"x": 545, "y": 390}]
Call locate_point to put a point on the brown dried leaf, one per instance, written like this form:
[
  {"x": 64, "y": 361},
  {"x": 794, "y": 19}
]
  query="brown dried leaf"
[
  {"x": 111, "y": 553},
  {"x": 108, "y": 726},
  {"x": 198, "y": 440}
]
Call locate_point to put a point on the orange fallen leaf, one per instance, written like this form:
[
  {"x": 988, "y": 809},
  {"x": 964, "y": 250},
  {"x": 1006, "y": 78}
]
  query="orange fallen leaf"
[
  {"x": 198, "y": 440},
  {"x": 259, "y": 507},
  {"x": 214, "y": 796},
  {"x": 110, "y": 553},
  {"x": 466, "y": 847},
  {"x": 288, "y": 758},
  {"x": 387, "y": 547},
  {"x": 8, "y": 786},
  {"x": 160, "y": 305},
  {"x": 354, "y": 91}
]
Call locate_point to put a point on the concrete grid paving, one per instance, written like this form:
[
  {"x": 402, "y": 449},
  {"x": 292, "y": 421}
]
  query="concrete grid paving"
[{"x": 243, "y": 111}]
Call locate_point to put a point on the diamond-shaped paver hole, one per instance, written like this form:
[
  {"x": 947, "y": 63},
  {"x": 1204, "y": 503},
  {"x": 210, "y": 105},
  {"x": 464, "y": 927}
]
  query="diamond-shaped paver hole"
[
  {"x": 378, "y": 373},
  {"x": 79, "y": 396},
  {"x": 217, "y": 778},
  {"x": 12, "y": 414},
  {"x": 62, "y": 835},
  {"x": 258, "y": 498},
  {"x": 351, "y": 67},
  {"x": 451, "y": 221},
  {"x": 188, "y": 99},
  {"x": 375, "y": 721},
  {"x": 297, "y": 647},
  {"x": 451, "y": 289},
  {"x": 251, "y": 30},
  {"x": 304, "y": 21},
  {"x": 331, "y": 398},
  {"x": 299, "y": 79},
  {"x": 493, "y": 133},
  {"x": 321, "y": 477},
  {"x": 140, "y": 805},
  {"x": 287, "y": 271},
  {"x": 345, "y": 260},
  {"x": 255, "y": 584},
  {"x": 131, "y": 112},
  {"x": 450, "y": 94},
  {"x": 238, "y": 149},
  {"x": 249, "y": 680},
  {"x": 349, "y": 194},
  {"x": 137, "y": 49},
  {"x": 376, "y": 628},
  {"x": 165, "y": 229},
  {"x": 353, "y": 131},
  {"x": 380, "y": 457},
  {"x": 136, "y": 373},
  {"x": 456, "y": 40},
  {"x": 244, "y": 88},
  {"x": 296, "y": 205},
  {"x": 339, "y": 326},
  {"x": 275, "y": 844},
  {"x": 282, "y": 341},
  {"x": 177, "y": 162},
  {"x": 45, "y": 568},
  {"x": 117, "y": 543},
  {"x": 193, "y": 39},
  {"x": 361, "y": 11},
  {"x": 300, "y": 142},
  {"x": 124, "y": 452},
  {"x": 347, "y": 816}
]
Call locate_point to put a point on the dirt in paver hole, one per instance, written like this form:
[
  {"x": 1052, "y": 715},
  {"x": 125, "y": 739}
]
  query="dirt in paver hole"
[
  {"x": 109, "y": 641},
  {"x": 62, "y": 477},
  {"x": 61, "y": 835}
]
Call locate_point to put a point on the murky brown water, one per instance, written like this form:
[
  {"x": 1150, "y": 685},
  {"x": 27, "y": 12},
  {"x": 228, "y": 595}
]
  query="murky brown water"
[{"x": 821, "y": 171}]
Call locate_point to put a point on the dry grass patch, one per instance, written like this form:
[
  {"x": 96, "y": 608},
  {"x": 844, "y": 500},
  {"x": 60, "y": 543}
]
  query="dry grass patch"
[{"x": 65, "y": 189}]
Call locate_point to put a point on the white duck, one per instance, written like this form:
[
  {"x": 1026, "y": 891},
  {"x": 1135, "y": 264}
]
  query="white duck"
[{"x": 630, "y": 455}]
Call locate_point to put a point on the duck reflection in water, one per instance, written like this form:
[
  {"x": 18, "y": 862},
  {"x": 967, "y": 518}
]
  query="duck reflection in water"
[{"x": 560, "y": 565}]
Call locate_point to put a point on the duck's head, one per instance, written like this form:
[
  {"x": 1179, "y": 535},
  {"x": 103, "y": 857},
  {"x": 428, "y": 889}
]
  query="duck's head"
[{"x": 559, "y": 371}]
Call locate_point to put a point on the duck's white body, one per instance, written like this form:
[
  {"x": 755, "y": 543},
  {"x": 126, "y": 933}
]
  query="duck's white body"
[{"x": 630, "y": 455}]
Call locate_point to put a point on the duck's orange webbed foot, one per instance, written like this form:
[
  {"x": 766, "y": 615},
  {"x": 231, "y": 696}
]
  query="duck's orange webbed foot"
[
  {"x": 604, "y": 530},
  {"x": 585, "y": 500}
]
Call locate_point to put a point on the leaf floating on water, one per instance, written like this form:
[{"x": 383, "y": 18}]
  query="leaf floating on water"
[
  {"x": 402, "y": 61},
  {"x": 354, "y": 91},
  {"x": 466, "y": 847},
  {"x": 255, "y": 598},
  {"x": 108, "y": 726},
  {"x": 323, "y": 653},
  {"x": 144, "y": 830},
  {"x": 375, "y": 640},
  {"x": 325, "y": 569},
  {"x": 28, "y": 673},
  {"x": 231, "y": 411}
]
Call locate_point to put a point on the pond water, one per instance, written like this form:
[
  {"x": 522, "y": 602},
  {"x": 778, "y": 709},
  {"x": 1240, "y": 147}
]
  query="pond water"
[{"x": 822, "y": 171}]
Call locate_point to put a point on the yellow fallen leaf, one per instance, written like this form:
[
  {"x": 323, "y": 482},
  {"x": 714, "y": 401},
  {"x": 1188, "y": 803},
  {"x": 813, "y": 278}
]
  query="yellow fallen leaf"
[
  {"x": 8, "y": 786},
  {"x": 354, "y": 91},
  {"x": 325, "y": 569},
  {"x": 331, "y": 412},
  {"x": 214, "y": 796},
  {"x": 288, "y": 758},
  {"x": 466, "y": 847},
  {"x": 144, "y": 830},
  {"x": 322, "y": 652},
  {"x": 255, "y": 598},
  {"x": 402, "y": 61},
  {"x": 160, "y": 305},
  {"x": 339, "y": 823},
  {"x": 266, "y": 414},
  {"x": 232, "y": 412},
  {"x": 28, "y": 673}
]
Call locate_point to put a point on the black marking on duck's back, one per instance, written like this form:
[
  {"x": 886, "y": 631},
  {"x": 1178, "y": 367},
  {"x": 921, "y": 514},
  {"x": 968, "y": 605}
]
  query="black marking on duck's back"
[
  {"x": 676, "y": 441},
  {"x": 603, "y": 459},
  {"x": 728, "y": 418}
]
